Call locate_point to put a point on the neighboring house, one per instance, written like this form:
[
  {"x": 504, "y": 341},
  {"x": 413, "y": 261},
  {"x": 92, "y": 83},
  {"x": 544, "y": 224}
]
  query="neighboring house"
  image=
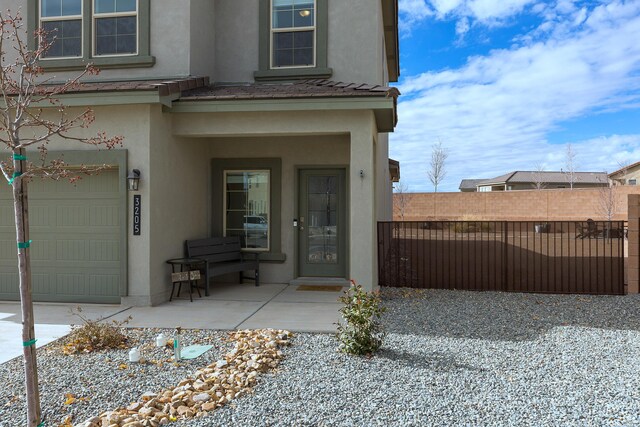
[
  {"x": 527, "y": 180},
  {"x": 627, "y": 175},
  {"x": 243, "y": 118},
  {"x": 469, "y": 185}
]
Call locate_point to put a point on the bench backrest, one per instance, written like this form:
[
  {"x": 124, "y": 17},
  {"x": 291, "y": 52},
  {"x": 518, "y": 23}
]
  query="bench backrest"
[{"x": 214, "y": 249}]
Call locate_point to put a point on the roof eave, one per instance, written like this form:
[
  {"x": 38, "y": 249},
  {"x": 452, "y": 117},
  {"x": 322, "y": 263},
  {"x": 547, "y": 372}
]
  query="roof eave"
[
  {"x": 383, "y": 107},
  {"x": 391, "y": 39}
]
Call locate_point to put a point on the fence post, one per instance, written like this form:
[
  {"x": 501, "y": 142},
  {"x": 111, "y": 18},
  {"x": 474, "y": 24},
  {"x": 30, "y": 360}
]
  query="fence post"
[{"x": 633, "y": 261}]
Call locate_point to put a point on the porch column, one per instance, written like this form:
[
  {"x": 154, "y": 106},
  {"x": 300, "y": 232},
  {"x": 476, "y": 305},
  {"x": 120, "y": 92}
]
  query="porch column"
[
  {"x": 633, "y": 261},
  {"x": 363, "y": 247}
]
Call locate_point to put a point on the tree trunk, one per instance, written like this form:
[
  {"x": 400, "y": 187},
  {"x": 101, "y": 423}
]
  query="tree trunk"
[{"x": 21, "y": 212}]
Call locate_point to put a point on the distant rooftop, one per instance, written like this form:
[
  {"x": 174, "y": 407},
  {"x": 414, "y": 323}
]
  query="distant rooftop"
[
  {"x": 624, "y": 169},
  {"x": 470, "y": 184},
  {"x": 547, "y": 177}
]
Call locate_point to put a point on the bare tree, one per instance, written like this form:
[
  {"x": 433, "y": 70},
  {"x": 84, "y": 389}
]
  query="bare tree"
[
  {"x": 401, "y": 199},
  {"x": 538, "y": 177},
  {"x": 437, "y": 171},
  {"x": 30, "y": 115},
  {"x": 623, "y": 168},
  {"x": 570, "y": 165},
  {"x": 608, "y": 201}
]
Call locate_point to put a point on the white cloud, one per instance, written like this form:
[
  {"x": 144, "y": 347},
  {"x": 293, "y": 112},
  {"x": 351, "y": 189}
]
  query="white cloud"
[
  {"x": 412, "y": 12},
  {"x": 462, "y": 27},
  {"x": 488, "y": 10},
  {"x": 494, "y": 113}
]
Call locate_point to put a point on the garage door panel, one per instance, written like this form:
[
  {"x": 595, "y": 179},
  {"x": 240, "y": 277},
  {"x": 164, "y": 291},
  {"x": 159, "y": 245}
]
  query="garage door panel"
[
  {"x": 8, "y": 284},
  {"x": 6, "y": 216},
  {"x": 8, "y": 251},
  {"x": 76, "y": 234},
  {"x": 104, "y": 250},
  {"x": 104, "y": 284},
  {"x": 105, "y": 216},
  {"x": 40, "y": 216},
  {"x": 72, "y": 215}
]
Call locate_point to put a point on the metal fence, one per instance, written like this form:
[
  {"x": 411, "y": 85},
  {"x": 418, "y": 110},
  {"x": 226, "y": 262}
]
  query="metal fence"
[{"x": 520, "y": 256}]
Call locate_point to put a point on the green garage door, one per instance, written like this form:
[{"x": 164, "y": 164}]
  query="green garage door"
[{"x": 76, "y": 234}]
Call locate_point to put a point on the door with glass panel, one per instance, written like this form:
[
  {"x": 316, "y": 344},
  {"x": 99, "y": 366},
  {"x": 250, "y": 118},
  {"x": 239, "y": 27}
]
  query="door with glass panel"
[{"x": 322, "y": 223}]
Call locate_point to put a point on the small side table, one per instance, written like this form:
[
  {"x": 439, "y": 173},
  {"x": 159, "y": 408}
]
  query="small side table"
[{"x": 185, "y": 270}]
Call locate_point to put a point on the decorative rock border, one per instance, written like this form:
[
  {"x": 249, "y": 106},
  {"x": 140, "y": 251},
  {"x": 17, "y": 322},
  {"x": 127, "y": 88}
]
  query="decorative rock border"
[{"x": 255, "y": 352}]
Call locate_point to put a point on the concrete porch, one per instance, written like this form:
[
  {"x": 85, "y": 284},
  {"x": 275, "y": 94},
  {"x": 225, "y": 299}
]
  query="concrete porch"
[{"x": 230, "y": 306}]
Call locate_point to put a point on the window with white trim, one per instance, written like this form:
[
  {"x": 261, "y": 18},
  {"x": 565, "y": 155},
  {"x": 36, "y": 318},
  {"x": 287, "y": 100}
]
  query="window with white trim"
[
  {"x": 293, "y": 33},
  {"x": 62, "y": 19},
  {"x": 247, "y": 207},
  {"x": 114, "y": 27}
]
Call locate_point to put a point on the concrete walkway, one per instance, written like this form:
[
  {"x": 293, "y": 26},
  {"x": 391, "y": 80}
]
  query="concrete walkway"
[{"x": 229, "y": 307}]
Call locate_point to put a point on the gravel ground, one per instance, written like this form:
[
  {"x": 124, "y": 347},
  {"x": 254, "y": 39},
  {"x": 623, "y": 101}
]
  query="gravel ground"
[
  {"x": 451, "y": 358},
  {"x": 99, "y": 377}
]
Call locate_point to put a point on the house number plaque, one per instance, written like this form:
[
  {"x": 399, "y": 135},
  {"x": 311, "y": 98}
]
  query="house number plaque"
[{"x": 136, "y": 214}]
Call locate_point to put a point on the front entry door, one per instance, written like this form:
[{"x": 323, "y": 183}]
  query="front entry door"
[{"x": 322, "y": 223}]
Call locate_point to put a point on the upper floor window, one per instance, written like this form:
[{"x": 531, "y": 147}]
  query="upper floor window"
[
  {"x": 107, "y": 33},
  {"x": 62, "y": 19},
  {"x": 114, "y": 27},
  {"x": 293, "y": 40},
  {"x": 293, "y": 33}
]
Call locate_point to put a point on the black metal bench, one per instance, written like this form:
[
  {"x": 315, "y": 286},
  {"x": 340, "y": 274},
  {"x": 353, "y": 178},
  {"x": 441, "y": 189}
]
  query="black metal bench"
[{"x": 223, "y": 256}]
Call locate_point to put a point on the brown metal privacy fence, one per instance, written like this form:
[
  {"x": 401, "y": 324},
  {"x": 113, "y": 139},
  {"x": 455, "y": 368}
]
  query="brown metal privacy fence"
[{"x": 578, "y": 257}]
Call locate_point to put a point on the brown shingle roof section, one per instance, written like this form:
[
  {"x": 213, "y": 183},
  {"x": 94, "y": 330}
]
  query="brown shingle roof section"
[
  {"x": 317, "y": 88},
  {"x": 164, "y": 87}
]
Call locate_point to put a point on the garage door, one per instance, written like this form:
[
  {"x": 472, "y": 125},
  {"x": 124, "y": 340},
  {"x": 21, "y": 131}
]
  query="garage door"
[{"x": 76, "y": 235}]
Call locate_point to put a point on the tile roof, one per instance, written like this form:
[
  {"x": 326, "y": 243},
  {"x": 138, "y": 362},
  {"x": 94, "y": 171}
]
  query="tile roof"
[{"x": 318, "y": 88}]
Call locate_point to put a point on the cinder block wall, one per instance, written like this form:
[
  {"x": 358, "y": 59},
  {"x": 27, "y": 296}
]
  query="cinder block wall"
[
  {"x": 524, "y": 205},
  {"x": 633, "y": 263}
]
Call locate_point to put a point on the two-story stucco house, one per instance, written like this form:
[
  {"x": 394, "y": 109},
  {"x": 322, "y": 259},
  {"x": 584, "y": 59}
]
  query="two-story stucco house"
[{"x": 266, "y": 119}]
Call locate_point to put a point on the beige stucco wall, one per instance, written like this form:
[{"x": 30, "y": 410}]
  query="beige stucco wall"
[
  {"x": 355, "y": 50},
  {"x": 178, "y": 183},
  {"x": 203, "y": 38},
  {"x": 236, "y": 40},
  {"x": 383, "y": 179}
]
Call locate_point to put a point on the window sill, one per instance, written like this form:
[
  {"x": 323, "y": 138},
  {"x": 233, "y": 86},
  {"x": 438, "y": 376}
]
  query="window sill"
[
  {"x": 99, "y": 62},
  {"x": 292, "y": 74},
  {"x": 272, "y": 257}
]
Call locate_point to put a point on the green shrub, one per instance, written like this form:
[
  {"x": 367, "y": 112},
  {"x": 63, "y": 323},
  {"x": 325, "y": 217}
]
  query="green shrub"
[{"x": 361, "y": 332}]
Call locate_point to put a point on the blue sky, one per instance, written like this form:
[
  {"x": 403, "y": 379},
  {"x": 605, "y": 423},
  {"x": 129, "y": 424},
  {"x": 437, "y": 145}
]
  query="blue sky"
[{"x": 507, "y": 84}]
